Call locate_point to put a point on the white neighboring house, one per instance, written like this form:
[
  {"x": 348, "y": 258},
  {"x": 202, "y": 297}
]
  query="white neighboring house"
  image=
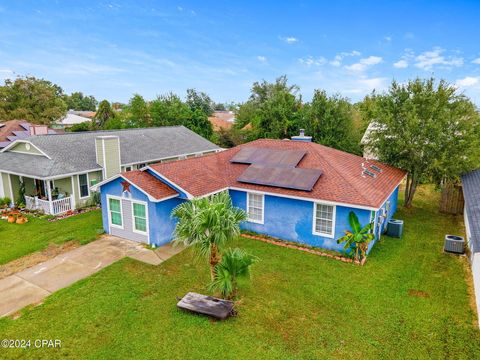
[
  {"x": 71, "y": 119},
  {"x": 368, "y": 152}
]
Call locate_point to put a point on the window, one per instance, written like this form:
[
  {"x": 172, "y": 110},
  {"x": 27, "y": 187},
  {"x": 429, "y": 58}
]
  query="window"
[
  {"x": 115, "y": 209},
  {"x": 83, "y": 184},
  {"x": 255, "y": 207},
  {"x": 139, "y": 166},
  {"x": 324, "y": 220},
  {"x": 128, "y": 168},
  {"x": 139, "y": 217}
]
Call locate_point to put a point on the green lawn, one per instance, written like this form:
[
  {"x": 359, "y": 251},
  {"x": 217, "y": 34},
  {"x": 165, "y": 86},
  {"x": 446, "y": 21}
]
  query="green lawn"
[
  {"x": 19, "y": 240},
  {"x": 297, "y": 305}
]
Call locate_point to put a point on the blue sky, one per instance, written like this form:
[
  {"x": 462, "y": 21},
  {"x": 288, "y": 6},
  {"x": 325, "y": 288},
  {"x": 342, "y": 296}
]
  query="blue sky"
[{"x": 112, "y": 49}]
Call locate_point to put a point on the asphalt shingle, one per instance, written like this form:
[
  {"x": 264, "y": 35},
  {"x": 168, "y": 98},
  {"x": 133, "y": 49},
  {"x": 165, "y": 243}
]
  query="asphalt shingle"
[
  {"x": 75, "y": 152},
  {"x": 471, "y": 193}
]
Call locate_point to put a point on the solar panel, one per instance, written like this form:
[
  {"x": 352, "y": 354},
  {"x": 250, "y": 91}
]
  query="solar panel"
[
  {"x": 281, "y": 176},
  {"x": 251, "y": 155},
  {"x": 376, "y": 168}
]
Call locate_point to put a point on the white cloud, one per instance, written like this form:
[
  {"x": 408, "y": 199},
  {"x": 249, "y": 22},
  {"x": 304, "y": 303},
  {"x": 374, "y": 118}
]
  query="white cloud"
[
  {"x": 401, "y": 64},
  {"x": 387, "y": 38},
  {"x": 261, "y": 58},
  {"x": 6, "y": 71},
  {"x": 428, "y": 59},
  {"x": 289, "y": 39},
  {"x": 476, "y": 61},
  {"x": 310, "y": 60},
  {"x": 468, "y": 81},
  {"x": 364, "y": 63},
  {"x": 179, "y": 8},
  {"x": 337, "y": 60}
]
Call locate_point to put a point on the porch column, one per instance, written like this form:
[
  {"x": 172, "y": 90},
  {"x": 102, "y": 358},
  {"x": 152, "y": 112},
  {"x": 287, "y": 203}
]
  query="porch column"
[
  {"x": 49, "y": 193},
  {"x": 74, "y": 205}
]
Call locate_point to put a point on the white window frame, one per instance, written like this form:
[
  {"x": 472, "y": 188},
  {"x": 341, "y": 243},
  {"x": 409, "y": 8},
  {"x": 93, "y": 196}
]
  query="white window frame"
[
  {"x": 146, "y": 217},
  {"x": 314, "y": 220},
  {"x": 80, "y": 189},
  {"x": 248, "y": 207},
  {"x": 109, "y": 212}
]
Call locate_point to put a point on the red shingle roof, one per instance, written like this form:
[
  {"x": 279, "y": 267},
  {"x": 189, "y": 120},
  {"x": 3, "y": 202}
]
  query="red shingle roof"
[
  {"x": 149, "y": 184},
  {"x": 341, "y": 182}
]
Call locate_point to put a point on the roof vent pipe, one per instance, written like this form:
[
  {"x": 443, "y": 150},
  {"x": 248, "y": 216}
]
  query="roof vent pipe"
[{"x": 302, "y": 136}]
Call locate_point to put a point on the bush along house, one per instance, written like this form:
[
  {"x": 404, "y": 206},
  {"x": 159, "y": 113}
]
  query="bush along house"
[
  {"x": 54, "y": 174},
  {"x": 294, "y": 190}
]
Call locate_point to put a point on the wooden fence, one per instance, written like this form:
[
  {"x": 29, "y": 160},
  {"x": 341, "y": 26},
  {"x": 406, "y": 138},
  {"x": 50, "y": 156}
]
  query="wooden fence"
[{"x": 451, "y": 201}]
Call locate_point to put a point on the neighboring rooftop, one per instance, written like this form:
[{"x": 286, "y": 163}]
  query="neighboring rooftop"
[
  {"x": 222, "y": 120},
  {"x": 342, "y": 179},
  {"x": 471, "y": 193},
  {"x": 75, "y": 152},
  {"x": 18, "y": 129},
  {"x": 71, "y": 118}
]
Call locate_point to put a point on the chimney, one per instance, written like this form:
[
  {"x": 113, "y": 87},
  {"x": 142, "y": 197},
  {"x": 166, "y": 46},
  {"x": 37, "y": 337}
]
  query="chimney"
[
  {"x": 302, "y": 136},
  {"x": 38, "y": 130},
  {"x": 108, "y": 155}
]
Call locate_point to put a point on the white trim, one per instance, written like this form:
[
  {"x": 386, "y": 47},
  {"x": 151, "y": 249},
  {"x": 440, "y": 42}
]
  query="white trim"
[
  {"x": 74, "y": 204},
  {"x": 14, "y": 143},
  {"x": 2, "y": 189},
  {"x": 314, "y": 220},
  {"x": 263, "y": 208},
  {"x": 110, "y": 225},
  {"x": 62, "y": 176},
  {"x": 189, "y": 196},
  {"x": 147, "y": 233},
  {"x": 104, "y": 167},
  {"x": 326, "y": 202},
  {"x": 212, "y": 193},
  {"x": 12, "y": 198},
  {"x": 80, "y": 189}
]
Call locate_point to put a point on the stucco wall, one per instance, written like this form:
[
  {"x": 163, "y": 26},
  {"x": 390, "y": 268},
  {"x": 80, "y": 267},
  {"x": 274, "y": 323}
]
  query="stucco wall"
[
  {"x": 160, "y": 224},
  {"x": 292, "y": 220}
]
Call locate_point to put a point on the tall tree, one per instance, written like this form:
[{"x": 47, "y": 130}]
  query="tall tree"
[
  {"x": 36, "y": 100},
  {"x": 104, "y": 114},
  {"x": 138, "y": 113},
  {"x": 78, "y": 101},
  {"x": 428, "y": 129},
  {"x": 272, "y": 109},
  {"x": 198, "y": 100},
  {"x": 169, "y": 110},
  {"x": 329, "y": 120}
]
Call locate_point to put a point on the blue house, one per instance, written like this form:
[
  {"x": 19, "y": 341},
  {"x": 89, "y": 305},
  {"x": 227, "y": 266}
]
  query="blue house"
[{"x": 294, "y": 190}]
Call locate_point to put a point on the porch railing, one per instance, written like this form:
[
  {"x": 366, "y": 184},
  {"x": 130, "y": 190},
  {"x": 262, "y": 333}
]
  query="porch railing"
[{"x": 54, "y": 207}]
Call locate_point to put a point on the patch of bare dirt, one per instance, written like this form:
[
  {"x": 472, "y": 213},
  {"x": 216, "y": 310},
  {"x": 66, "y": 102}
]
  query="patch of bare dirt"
[
  {"x": 418, "y": 293},
  {"x": 35, "y": 258}
]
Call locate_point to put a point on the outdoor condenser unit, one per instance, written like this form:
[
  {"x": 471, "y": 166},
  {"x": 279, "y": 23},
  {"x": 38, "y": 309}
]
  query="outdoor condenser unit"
[
  {"x": 395, "y": 228},
  {"x": 454, "y": 244}
]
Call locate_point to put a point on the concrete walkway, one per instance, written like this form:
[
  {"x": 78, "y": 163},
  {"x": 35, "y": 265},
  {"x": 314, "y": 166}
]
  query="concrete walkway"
[{"x": 32, "y": 285}]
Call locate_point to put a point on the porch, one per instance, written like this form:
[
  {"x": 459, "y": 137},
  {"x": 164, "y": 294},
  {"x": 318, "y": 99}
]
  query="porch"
[
  {"x": 52, "y": 197},
  {"x": 51, "y": 207}
]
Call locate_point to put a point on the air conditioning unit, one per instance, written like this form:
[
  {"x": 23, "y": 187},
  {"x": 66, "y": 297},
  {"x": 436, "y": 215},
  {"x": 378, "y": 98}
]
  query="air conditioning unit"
[
  {"x": 454, "y": 244},
  {"x": 395, "y": 228}
]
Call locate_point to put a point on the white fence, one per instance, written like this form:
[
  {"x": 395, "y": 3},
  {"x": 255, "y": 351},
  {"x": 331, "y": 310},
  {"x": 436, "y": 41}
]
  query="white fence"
[{"x": 55, "y": 207}]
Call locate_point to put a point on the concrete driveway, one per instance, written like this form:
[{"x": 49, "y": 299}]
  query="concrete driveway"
[{"x": 32, "y": 285}]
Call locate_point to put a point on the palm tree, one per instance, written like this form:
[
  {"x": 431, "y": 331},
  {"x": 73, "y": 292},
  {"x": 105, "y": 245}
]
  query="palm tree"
[
  {"x": 235, "y": 263},
  {"x": 208, "y": 224},
  {"x": 357, "y": 239}
]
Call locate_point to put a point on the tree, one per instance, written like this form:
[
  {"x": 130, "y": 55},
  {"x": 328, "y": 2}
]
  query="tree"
[
  {"x": 272, "y": 109},
  {"x": 78, "y": 101},
  {"x": 169, "y": 110},
  {"x": 138, "y": 113},
  {"x": 358, "y": 238},
  {"x": 35, "y": 100},
  {"x": 208, "y": 224},
  {"x": 104, "y": 114},
  {"x": 200, "y": 101},
  {"x": 427, "y": 129},
  {"x": 199, "y": 123},
  {"x": 235, "y": 264},
  {"x": 329, "y": 120}
]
